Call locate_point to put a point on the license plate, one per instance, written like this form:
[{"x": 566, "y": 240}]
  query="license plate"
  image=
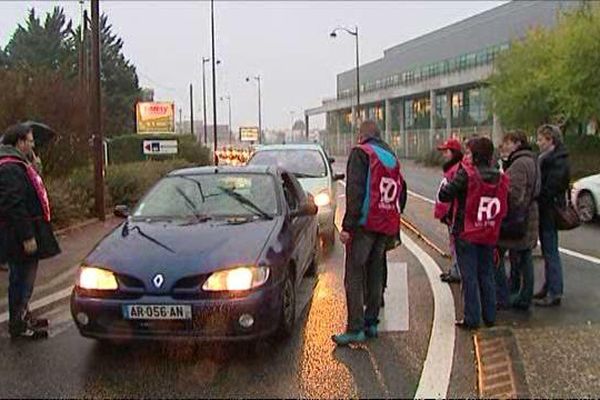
[{"x": 157, "y": 311}]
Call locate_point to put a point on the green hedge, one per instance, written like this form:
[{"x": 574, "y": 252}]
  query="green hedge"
[
  {"x": 129, "y": 148},
  {"x": 72, "y": 197}
]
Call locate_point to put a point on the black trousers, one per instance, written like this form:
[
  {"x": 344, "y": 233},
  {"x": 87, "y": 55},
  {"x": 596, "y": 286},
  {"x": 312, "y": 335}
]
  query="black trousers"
[{"x": 364, "y": 278}]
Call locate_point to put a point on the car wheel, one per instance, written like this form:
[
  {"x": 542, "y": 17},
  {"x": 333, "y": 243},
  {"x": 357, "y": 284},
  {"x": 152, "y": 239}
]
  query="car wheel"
[
  {"x": 586, "y": 207},
  {"x": 288, "y": 307}
]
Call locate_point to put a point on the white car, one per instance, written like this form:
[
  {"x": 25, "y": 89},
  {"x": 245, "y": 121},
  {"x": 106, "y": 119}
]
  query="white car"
[{"x": 586, "y": 197}]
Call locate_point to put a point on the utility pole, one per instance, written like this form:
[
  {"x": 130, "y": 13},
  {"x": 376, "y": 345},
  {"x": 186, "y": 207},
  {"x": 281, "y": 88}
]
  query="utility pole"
[
  {"x": 192, "y": 109},
  {"x": 214, "y": 75},
  {"x": 96, "y": 123},
  {"x": 81, "y": 47},
  {"x": 228, "y": 98},
  {"x": 204, "y": 61},
  {"x": 180, "y": 120}
]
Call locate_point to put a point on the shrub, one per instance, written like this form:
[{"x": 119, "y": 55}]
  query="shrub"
[
  {"x": 72, "y": 197},
  {"x": 128, "y": 148},
  {"x": 432, "y": 158}
]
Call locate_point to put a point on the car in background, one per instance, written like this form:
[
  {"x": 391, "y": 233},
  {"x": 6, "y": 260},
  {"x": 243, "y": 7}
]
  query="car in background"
[
  {"x": 585, "y": 195},
  {"x": 214, "y": 253},
  {"x": 311, "y": 165}
]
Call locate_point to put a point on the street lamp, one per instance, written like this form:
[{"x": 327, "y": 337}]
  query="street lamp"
[
  {"x": 204, "y": 61},
  {"x": 228, "y": 98},
  {"x": 257, "y": 78},
  {"x": 354, "y": 33}
]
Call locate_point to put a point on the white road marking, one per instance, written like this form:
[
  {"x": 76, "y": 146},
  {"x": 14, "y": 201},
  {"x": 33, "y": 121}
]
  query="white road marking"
[
  {"x": 435, "y": 376},
  {"x": 43, "y": 302},
  {"x": 394, "y": 316},
  {"x": 418, "y": 196},
  {"x": 568, "y": 252}
]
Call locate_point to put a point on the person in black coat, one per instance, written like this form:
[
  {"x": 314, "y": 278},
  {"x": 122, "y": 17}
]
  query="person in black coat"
[
  {"x": 26, "y": 233},
  {"x": 555, "y": 171}
]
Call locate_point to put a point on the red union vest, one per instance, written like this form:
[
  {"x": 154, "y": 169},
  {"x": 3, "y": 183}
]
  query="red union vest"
[
  {"x": 440, "y": 209},
  {"x": 381, "y": 211},
  {"x": 485, "y": 207},
  {"x": 36, "y": 181}
]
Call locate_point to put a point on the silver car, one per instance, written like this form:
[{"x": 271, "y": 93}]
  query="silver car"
[{"x": 311, "y": 165}]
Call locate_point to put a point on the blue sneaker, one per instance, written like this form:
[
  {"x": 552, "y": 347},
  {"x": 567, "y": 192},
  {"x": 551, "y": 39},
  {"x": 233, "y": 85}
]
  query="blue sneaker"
[
  {"x": 349, "y": 337},
  {"x": 371, "y": 331}
]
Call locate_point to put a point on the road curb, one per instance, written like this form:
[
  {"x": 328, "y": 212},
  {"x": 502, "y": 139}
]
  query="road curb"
[{"x": 80, "y": 225}]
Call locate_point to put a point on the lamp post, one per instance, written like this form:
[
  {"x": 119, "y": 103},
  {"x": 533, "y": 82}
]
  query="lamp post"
[
  {"x": 257, "y": 79},
  {"x": 95, "y": 111},
  {"x": 354, "y": 33},
  {"x": 228, "y": 98},
  {"x": 214, "y": 76},
  {"x": 204, "y": 61}
]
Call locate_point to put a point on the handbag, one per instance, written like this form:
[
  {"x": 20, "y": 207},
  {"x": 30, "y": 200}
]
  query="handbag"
[{"x": 566, "y": 217}]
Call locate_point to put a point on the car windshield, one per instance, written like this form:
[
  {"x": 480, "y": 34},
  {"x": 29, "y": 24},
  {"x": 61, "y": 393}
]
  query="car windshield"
[
  {"x": 211, "y": 196},
  {"x": 302, "y": 163}
]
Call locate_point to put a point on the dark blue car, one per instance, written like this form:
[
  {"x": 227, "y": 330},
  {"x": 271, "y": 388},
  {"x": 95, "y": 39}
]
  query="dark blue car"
[{"x": 209, "y": 253}]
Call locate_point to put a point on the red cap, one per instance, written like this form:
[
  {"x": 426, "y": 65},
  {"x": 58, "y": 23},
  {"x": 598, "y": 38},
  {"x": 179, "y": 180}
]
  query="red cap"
[{"x": 451, "y": 144}]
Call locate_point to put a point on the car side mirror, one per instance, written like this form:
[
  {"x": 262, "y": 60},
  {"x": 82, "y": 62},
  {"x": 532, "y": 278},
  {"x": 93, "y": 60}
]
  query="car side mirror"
[
  {"x": 121, "y": 211},
  {"x": 331, "y": 160},
  {"x": 339, "y": 177},
  {"x": 305, "y": 210}
]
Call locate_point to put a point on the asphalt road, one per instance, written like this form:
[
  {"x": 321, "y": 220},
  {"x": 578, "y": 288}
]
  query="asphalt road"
[{"x": 307, "y": 365}]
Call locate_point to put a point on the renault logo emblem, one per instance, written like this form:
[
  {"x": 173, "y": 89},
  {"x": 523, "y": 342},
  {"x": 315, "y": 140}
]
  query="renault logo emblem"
[{"x": 158, "y": 280}]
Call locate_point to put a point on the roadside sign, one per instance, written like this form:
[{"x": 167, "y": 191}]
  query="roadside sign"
[
  {"x": 160, "y": 147},
  {"x": 155, "y": 117},
  {"x": 249, "y": 134}
]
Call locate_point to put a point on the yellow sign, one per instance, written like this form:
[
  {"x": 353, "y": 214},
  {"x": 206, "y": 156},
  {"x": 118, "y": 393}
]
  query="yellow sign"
[
  {"x": 155, "y": 117},
  {"x": 249, "y": 134}
]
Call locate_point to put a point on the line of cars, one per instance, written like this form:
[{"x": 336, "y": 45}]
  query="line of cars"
[{"x": 213, "y": 253}]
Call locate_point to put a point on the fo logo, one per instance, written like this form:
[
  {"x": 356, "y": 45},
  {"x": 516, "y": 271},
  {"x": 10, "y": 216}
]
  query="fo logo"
[
  {"x": 489, "y": 208},
  {"x": 388, "y": 189}
]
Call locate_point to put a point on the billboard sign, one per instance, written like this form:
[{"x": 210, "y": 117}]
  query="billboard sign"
[
  {"x": 160, "y": 147},
  {"x": 249, "y": 134},
  {"x": 155, "y": 117}
]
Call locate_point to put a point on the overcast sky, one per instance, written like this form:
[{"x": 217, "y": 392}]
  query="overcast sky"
[{"x": 286, "y": 42}]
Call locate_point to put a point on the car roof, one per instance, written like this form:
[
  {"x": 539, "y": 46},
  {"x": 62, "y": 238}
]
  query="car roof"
[
  {"x": 290, "y": 146},
  {"x": 247, "y": 169}
]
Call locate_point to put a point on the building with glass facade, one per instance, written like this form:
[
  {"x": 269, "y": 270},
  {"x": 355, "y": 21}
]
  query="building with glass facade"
[{"x": 433, "y": 87}]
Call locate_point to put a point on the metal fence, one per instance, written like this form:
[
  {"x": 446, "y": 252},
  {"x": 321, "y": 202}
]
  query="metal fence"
[{"x": 416, "y": 143}]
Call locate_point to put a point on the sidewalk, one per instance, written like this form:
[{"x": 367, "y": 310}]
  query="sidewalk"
[{"x": 59, "y": 272}]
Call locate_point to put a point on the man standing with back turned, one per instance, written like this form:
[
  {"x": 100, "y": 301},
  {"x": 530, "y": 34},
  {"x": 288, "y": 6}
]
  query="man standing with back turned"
[{"x": 374, "y": 186}]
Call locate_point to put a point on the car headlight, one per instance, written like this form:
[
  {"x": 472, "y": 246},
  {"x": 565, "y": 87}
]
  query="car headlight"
[
  {"x": 322, "y": 199},
  {"x": 93, "y": 278},
  {"x": 236, "y": 279}
]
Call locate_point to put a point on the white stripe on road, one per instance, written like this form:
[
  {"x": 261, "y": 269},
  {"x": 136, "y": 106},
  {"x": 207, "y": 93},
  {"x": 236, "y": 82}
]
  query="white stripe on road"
[
  {"x": 568, "y": 252},
  {"x": 418, "y": 196},
  {"x": 43, "y": 302},
  {"x": 435, "y": 376},
  {"x": 394, "y": 316}
]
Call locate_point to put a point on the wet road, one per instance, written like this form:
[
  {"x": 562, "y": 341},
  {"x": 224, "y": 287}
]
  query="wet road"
[{"x": 306, "y": 365}]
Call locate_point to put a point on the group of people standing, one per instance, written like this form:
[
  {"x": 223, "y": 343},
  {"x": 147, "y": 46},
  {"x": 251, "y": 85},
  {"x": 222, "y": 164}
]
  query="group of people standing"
[{"x": 492, "y": 210}]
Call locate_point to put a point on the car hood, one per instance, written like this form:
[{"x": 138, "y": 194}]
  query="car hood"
[
  {"x": 314, "y": 185},
  {"x": 142, "y": 249}
]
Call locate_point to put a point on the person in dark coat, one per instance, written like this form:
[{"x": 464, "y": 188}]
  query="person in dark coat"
[
  {"x": 556, "y": 174},
  {"x": 521, "y": 167},
  {"x": 475, "y": 261},
  {"x": 365, "y": 249},
  {"x": 25, "y": 221}
]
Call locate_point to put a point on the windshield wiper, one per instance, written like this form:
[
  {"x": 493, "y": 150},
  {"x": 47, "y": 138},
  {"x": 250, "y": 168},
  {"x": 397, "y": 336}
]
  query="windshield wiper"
[
  {"x": 247, "y": 202},
  {"x": 127, "y": 228},
  {"x": 303, "y": 175},
  {"x": 199, "y": 217}
]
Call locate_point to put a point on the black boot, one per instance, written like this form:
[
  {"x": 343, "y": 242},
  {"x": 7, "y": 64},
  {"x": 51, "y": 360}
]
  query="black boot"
[{"x": 21, "y": 330}]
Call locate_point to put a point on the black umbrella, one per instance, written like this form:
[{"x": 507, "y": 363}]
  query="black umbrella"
[{"x": 42, "y": 133}]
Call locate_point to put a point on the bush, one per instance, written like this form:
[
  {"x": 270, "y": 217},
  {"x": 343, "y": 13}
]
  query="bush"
[
  {"x": 72, "y": 197},
  {"x": 583, "y": 151},
  {"x": 432, "y": 158},
  {"x": 128, "y": 148}
]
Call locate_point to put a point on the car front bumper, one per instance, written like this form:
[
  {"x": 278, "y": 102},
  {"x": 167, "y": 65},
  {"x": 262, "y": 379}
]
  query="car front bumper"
[{"x": 212, "y": 319}]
